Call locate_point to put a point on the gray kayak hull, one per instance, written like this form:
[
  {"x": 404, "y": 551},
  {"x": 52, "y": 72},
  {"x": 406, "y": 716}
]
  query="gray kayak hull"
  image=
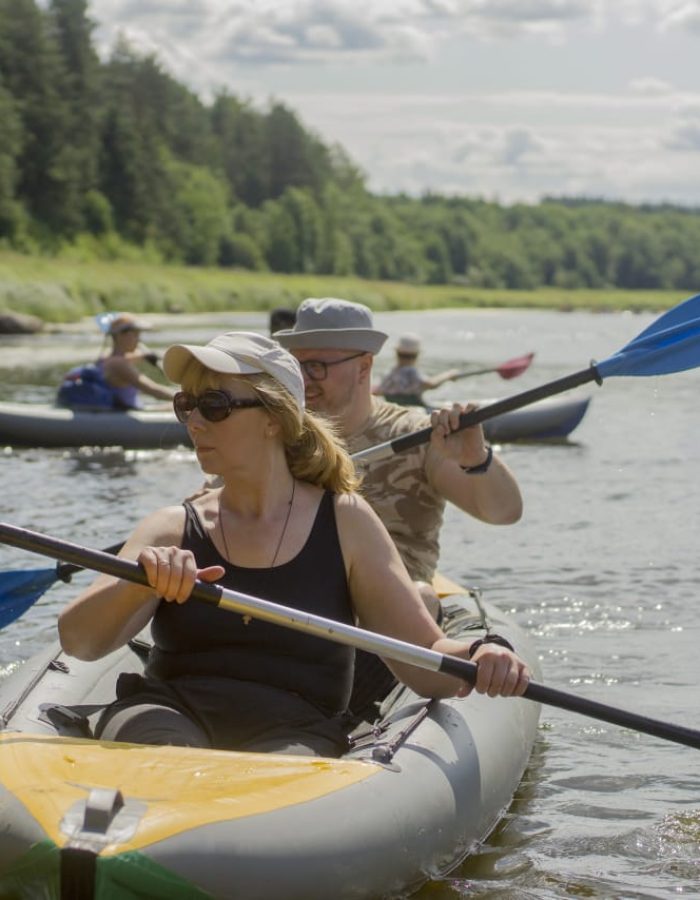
[
  {"x": 389, "y": 821},
  {"x": 24, "y": 425}
]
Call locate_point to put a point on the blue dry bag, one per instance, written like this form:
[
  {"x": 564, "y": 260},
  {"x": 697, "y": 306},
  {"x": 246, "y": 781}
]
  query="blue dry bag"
[{"x": 85, "y": 387}]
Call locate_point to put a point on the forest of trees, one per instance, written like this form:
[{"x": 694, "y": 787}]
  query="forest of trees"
[{"x": 119, "y": 157}]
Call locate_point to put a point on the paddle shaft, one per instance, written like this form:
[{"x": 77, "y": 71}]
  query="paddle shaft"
[
  {"x": 466, "y": 420},
  {"x": 468, "y": 372},
  {"x": 64, "y": 570},
  {"x": 319, "y": 626},
  {"x": 227, "y": 599}
]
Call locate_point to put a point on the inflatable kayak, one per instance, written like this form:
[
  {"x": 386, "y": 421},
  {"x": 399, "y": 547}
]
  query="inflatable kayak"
[
  {"x": 25, "y": 425},
  {"x": 421, "y": 786},
  {"x": 551, "y": 419}
]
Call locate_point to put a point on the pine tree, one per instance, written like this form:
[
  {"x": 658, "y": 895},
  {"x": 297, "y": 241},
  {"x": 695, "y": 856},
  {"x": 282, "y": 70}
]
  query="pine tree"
[
  {"x": 30, "y": 68},
  {"x": 80, "y": 93}
]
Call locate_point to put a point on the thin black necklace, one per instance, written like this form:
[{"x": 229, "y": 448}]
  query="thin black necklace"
[{"x": 284, "y": 527}]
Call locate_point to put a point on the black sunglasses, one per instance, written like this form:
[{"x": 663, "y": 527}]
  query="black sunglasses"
[
  {"x": 317, "y": 369},
  {"x": 215, "y": 406}
]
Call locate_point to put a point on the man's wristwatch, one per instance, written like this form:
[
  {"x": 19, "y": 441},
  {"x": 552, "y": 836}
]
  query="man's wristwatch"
[{"x": 482, "y": 467}]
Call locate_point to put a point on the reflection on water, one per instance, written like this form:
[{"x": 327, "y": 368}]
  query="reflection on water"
[{"x": 602, "y": 570}]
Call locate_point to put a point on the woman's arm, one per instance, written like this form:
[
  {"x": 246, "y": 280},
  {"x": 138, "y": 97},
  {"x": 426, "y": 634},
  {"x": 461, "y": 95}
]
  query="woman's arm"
[
  {"x": 110, "y": 611},
  {"x": 120, "y": 372},
  {"x": 387, "y": 601}
]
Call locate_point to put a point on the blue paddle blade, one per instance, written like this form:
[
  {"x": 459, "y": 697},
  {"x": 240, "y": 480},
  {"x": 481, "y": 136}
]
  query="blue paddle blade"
[
  {"x": 670, "y": 344},
  {"x": 20, "y": 590}
]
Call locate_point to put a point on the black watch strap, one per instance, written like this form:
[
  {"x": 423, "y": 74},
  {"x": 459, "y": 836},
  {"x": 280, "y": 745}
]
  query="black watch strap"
[{"x": 482, "y": 467}]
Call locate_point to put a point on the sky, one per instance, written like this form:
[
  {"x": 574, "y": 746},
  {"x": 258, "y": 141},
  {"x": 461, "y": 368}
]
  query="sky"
[{"x": 508, "y": 100}]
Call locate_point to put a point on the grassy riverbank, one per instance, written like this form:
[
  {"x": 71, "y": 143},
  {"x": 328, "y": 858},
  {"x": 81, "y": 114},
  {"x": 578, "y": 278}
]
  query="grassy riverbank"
[{"x": 60, "y": 290}]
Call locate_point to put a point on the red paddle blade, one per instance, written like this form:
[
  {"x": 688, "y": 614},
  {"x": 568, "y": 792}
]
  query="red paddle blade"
[{"x": 515, "y": 367}]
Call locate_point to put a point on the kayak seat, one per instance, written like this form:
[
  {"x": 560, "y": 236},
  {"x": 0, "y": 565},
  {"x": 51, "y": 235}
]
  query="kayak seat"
[{"x": 77, "y": 720}]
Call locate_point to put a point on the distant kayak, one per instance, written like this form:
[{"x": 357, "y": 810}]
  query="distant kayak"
[
  {"x": 34, "y": 425},
  {"x": 551, "y": 419}
]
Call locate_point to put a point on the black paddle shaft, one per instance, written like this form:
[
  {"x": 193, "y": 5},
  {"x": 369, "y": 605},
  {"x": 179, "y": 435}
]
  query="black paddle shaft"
[
  {"x": 64, "y": 570},
  {"x": 540, "y": 693},
  {"x": 74, "y": 557}
]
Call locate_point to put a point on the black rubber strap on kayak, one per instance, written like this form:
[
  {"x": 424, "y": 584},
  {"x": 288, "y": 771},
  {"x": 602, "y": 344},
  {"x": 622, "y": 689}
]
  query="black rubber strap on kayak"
[{"x": 78, "y": 870}]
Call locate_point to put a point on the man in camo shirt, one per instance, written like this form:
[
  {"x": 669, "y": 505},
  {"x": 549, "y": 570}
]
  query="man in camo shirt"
[{"x": 335, "y": 342}]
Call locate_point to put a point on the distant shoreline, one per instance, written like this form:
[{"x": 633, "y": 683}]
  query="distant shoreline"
[{"x": 65, "y": 291}]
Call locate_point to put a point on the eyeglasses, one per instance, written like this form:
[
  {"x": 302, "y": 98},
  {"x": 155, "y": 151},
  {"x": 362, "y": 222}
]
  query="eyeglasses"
[
  {"x": 317, "y": 369},
  {"x": 215, "y": 406}
]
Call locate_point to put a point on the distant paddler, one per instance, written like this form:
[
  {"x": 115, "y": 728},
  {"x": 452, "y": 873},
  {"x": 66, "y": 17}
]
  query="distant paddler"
[
  {"x": 114, "y": 381},
  {"x": 405, "y": 383}
]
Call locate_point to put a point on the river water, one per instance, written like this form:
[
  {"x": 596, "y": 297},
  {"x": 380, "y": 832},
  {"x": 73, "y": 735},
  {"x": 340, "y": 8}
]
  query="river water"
[{"x": 603, "y": 571}]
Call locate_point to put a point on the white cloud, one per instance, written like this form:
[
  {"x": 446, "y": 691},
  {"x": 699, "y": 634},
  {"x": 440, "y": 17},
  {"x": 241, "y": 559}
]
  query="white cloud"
[
  {"x": 518, "y": 146},
  {"x": 650, "y": 87},
  {"x": 273, "y": 31},
  {"x": 401, "y": 84},
  {"x": 684, "y": 135},
  {"x": 510, "y": 18},
  {"x": 684, "y": 16},
  {"x": 298, "y": 32},
  {"x": 265, "y": 33},
  {"x": 303, "y": 32}
]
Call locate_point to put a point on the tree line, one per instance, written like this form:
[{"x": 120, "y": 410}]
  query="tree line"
[{"x": 118, "y": 158}]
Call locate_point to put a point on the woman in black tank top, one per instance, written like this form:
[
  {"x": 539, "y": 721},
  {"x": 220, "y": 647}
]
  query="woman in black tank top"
[{"x": 285, "y": 525}]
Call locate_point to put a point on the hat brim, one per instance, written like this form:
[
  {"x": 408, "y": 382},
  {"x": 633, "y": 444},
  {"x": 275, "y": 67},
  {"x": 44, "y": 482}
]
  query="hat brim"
[
  {"x": 178, "y": 357},
  {"x": 366, "y": 339}
]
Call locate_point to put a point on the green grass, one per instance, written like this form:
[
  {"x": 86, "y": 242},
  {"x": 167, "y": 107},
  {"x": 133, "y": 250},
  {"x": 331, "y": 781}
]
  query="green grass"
[{"x": 64, "y": 290}]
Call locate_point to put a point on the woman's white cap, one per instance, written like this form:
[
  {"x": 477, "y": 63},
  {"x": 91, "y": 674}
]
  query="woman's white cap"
[{"x": 239, "y": 353}]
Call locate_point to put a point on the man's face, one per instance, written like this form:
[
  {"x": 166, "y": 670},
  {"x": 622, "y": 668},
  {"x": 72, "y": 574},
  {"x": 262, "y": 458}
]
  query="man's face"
[{"x": 345, "y": 380}]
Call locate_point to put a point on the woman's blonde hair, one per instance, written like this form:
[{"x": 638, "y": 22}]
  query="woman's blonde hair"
[{"x": 314, "y": 451}]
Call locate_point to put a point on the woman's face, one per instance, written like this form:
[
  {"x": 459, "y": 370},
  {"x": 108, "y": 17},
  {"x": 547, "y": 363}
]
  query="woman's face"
[
  {"x": 127, "y": 340},
  {"x": 238, "y": 441}
]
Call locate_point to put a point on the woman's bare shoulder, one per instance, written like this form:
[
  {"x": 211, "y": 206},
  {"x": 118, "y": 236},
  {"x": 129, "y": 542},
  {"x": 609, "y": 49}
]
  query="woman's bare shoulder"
[
  {"x": 356, "y": 519},
  {"x": 353, "y": 504},
  {"x": 163, "y": 527}
]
